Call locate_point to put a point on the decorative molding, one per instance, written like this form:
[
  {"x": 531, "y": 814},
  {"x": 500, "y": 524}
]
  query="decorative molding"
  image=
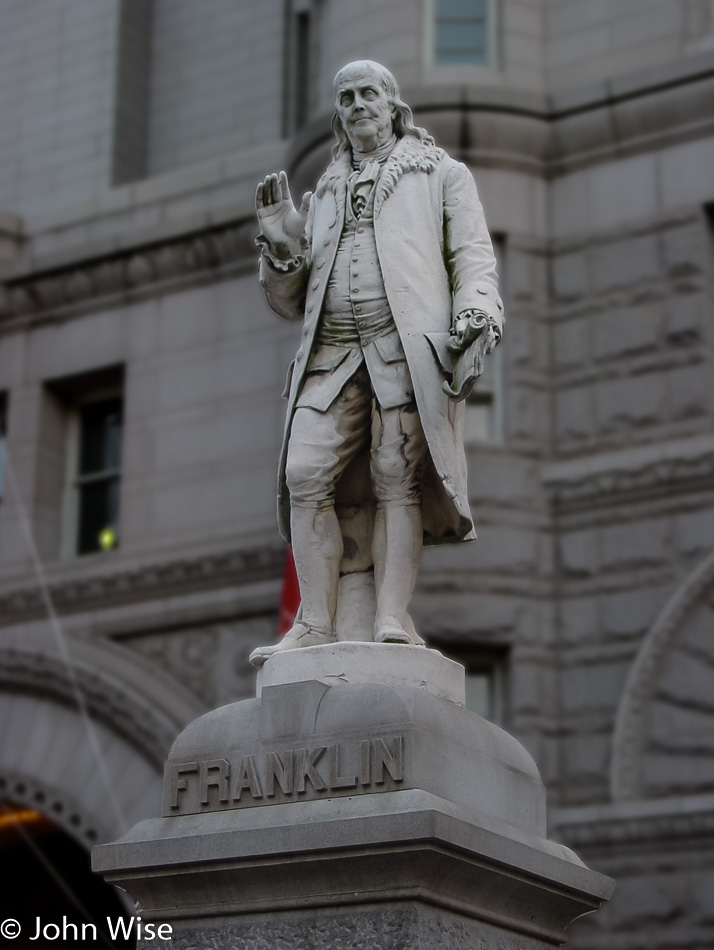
[
  {"x": 184, "y": 575},
  {"x": 37, "y": 674},
  {"x": 54, "y": 805},
  {"x": 635, "y": 830},
  {"x": 60, "y": 290},
  {"x": 578, "y": 127},
  {"x": 211, "y": 659},
  {"x": 599, "y": 480},
  {"x": 630, "y": 722}
]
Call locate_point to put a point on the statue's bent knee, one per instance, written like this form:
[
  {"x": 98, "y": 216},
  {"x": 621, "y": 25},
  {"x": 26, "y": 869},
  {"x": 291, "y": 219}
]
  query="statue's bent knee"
[
  {"x": 398, "y": 456},
  {"x": 308, "y": 474}
]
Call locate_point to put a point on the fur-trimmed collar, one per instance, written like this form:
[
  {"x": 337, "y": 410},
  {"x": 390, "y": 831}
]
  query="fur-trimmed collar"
[{"x": 410, "y": 155}]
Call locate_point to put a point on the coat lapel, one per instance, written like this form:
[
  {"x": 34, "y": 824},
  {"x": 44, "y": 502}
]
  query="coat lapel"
[{"x": 410, "y": 155}]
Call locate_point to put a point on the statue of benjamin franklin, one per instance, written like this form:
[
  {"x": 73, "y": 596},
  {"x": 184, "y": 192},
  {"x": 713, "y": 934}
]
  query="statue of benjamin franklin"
[{"x": 390, "y": 266}]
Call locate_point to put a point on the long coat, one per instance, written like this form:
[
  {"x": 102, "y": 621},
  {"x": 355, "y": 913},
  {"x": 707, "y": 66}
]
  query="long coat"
[{"x": 437, "y": 261}]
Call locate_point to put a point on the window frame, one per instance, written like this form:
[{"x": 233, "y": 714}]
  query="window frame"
[
  {"x": 493, "y": 405},
  {"x": 487, "y": 72},
  {"x": 69, "y": 547},
  {"x": 493, "y": 659},
  {"x": 303, "y": 92},
  {"x": 495, "y": 368}
]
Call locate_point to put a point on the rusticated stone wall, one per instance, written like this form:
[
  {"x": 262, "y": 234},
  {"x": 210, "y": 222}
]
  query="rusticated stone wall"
[
  {"x": 633, "y": 401},
  {"x": 593, "y": 148}
]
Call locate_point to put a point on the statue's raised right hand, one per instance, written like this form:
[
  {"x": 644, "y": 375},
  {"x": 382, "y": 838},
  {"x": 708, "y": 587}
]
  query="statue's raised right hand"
[{"x": 280, "y": 222}]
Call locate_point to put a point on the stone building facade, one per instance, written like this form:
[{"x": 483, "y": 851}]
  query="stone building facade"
[{"x": 132, "y": 137}]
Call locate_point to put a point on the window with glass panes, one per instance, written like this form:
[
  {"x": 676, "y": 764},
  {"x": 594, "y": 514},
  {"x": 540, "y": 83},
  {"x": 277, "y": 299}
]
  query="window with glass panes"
[
  {"x": 484, "y": 691},
  {"x": 486, "y": 679},
  {"x": 461, "y": 32},
  {"x": 303, "y": 50},
  {"x": 481, "y": 418},
  {"x": 98, "y": 475}
]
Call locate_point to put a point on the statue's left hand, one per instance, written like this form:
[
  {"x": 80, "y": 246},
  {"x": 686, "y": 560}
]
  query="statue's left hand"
[{"x": 469, "y": 328}]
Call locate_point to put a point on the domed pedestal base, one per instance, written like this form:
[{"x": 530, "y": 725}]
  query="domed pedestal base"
[{"x": 352, "y": 810}]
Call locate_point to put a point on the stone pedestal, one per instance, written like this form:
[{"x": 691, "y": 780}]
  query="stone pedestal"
[{"x": 362, "y": 807}]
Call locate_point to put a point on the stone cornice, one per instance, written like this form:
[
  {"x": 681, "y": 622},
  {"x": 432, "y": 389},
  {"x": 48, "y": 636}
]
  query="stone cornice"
[
  {"x": 665, "y": 828},
  {"x": 641, "y": 823},
  {"x": 637, "y": 472},
  {"x": 89, "y": 279},
  {"x": 551, "y": 135},
  {"x": 183, "y": 575},
  {"x": 539, "y": 135}
]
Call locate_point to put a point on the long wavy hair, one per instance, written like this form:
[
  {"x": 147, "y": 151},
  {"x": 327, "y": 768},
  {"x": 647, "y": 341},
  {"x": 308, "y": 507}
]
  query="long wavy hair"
[{"x": 403, "y": 119}]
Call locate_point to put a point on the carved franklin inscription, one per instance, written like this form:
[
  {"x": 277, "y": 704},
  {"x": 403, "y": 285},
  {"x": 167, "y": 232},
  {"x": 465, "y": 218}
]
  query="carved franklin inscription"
[{"x": 288, "y": 775}]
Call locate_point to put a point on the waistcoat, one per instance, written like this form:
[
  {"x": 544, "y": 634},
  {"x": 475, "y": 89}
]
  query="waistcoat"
[
  {"x": 356, "y": 310},
  {"x": 356, "y": 325}
]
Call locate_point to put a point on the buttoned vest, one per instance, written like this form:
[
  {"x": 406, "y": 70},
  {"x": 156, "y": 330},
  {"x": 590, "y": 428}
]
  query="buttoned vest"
[{"x": 356, "y": 310}]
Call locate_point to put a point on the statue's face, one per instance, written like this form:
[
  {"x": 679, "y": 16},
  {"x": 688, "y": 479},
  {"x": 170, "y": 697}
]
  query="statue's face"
[{"x": 364, "y": 108}]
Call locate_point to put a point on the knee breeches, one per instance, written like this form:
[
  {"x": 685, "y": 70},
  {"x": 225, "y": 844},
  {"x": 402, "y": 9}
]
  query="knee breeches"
[{"x": 322, "y": 444}]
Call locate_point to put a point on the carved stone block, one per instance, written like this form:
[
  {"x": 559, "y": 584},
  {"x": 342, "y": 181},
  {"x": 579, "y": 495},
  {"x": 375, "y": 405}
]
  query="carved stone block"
[{"x": 354, "y": 815}]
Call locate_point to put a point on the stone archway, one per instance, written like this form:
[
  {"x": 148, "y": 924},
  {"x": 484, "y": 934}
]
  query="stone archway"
[
  {"x": 65, "y": 812},
  {"x": 663, "y": 742},
  {"x": 89, "y": 740},
  {"x": 45, "y": 842}
]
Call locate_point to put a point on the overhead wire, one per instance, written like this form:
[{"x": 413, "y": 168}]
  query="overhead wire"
[{"x": 62, "y": 646}]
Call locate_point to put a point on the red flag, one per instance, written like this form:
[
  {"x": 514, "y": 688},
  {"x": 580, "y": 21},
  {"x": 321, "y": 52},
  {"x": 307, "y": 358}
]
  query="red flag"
[{"x": 290, "y": 595}]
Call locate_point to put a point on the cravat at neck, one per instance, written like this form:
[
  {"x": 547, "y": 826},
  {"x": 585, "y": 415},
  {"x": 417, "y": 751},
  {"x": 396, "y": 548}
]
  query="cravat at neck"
[{"x": 379, "y": 154}]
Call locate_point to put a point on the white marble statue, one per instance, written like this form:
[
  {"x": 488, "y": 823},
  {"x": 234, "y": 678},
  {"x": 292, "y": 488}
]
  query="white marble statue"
[{"x": 390, "y": 265}]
